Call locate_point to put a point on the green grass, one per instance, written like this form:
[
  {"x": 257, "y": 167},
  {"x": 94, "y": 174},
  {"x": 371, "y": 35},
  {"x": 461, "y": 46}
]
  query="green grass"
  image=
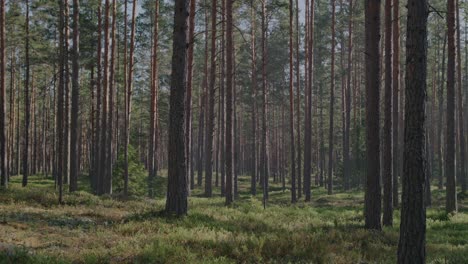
[{"x": 91, "y": 229}]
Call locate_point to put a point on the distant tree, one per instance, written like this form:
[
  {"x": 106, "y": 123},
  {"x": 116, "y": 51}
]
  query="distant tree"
[
  {"x": 332, "y": 104},
  {"x": 27, "y": 106},
  {"x": 176, "y": 202},
  {"x": 411, "y": 246}
]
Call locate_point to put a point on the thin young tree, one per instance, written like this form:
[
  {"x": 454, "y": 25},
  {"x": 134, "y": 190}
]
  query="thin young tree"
[
  {"x": 411, "y": 246},
  {"x": 177, "y": 202},
  {"x": 451, "y": 192},
  {"x": 373, "y": 197},
  {"x": 75, "y": 98}
]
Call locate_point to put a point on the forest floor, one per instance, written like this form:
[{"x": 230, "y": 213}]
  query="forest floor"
[{"x": 91, "y": 229}]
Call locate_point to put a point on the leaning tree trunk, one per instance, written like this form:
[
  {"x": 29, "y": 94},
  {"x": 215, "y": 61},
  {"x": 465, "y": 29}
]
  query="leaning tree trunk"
[
  {"x": 176, "y": 202},
  {"x": 411, "y": 247},
  {"x": 372, "y": 207}
]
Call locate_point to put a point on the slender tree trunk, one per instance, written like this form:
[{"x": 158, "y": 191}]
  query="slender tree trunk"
[
  {"x": 411, "y": 247},
  {"x": 176, "y": 202},
  {"x": 387, "y": 129},
  {"x": 451, "y": 199},
  {"x": 332, "y": 105},
  {"x": 27, "y": 110},
  {"x": 346, "y": 161},
  {"x": 211, "y": 104},
  {"x": 396, "y": 88},
  {"x": 441, "y": 124},
  {"x": 3, "y": 133},
  {"x": 188, "y": 100},
  {"x": 60, "y": 97},
  {"x": 264, "y": 147},
  {"x": 229, "y": 103},
  {"x": 461, "y": 133},
  {"x": 153, "y": 167},
  {"x": 97, "y": 149},
  {"x": 298, "y": 99},
  {"x": 372, "y": 207},
  {"x": 253, "y": 181},
  {"x": 291, "y": 105},
  {"x": 74, "y": 165},
  {"x": 308, "y": 129}
]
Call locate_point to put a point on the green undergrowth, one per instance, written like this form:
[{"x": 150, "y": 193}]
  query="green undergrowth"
[{"x": 34, "y": 228}]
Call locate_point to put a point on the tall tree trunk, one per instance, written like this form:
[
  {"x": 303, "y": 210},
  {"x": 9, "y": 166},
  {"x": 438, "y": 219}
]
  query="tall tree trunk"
[
  {"x": 441, "y": 148},
  {"x": 373, "y": 197},
  {"x": 451, "y": 199},
  {"x": 105, "y": 103},
  {"x": 395, "y": 103},
  {"x": 229, "y": 103},
  {"x": 153, "y": 167},
  {"x": 60, "y": 97},
  {"x": 128, "y": 102},
  {"x": 188, "y": 100},
  {"x": 461, "y": 133},
  {"x": 27, "y": 110},
  {"x": 3, "y": 137},
  {"x": 387, "y": 129},
  {"x": 211, "y": 104},
  {"x": 298, "y": 99},
  {"x": 176, "y": 202},
  {"x": 97, "y": 148},
  {"x": 308, "y": 114},
  {"x": 346, "y": 161},
  {"x": 264, "y": 147},
  {"x": 291, "y": 104},
  {"x": 332, "y": 105},
  {"x": 253, "y": 181},
  {"x": 411, "y": 247},
  {"x": 75, "y": 98}
]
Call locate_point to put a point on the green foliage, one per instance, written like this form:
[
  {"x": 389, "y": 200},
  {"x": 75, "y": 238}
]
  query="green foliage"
[{"x": 137, "y": 174}]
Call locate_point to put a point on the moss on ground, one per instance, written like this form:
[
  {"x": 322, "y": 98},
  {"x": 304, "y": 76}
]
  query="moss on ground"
[{"x": 91, "y": 229}]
